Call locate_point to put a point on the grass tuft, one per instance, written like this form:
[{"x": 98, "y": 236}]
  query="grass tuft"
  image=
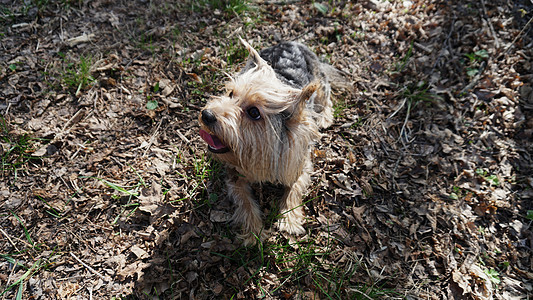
[
  {"x": 229, "y": 7},
  {"x": 39, "y": 264},
  {"x": 131, "y": 193},
  {"x": 198, "y": 172},
  {"x": 77, "y": 75},
  {"x": 300, "y": 263},
  {"x": 15, "y": 150}
]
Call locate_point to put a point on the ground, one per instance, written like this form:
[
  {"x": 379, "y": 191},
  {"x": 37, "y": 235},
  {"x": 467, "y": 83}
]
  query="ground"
[{"x": 422, "y": 188}]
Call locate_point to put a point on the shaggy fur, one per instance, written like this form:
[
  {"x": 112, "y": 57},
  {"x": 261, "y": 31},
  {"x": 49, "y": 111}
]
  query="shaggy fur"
[{"x": 263, "y": 129}]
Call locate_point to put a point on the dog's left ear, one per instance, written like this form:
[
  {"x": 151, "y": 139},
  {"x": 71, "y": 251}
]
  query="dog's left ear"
[
  {"x": 303, "y": 98},
  {"x": 260, "y": 62}
]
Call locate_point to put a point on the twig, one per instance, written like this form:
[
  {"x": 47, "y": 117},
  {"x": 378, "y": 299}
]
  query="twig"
[
  {"x": 9, "y": 278},
  {"x": 474, "y": 82},
  {"x": 80, "y": 146},
  {"x": 183, "y": 137},
  {"x": 447, "y": 42},
  {"x": 153, "y": 137},
  {"x": 518, "y": 36},
  {"x": 402, "y": 131},
  {"x": 88, "y": 267},
  {"x": 75, "y": 119},
  {"x": 361, "y": 293},
  {"x": 496, "y": 41},
  {"x": 406, "y": 119},
  {"x": 7, "y": 109},
  {"x": 398, "y": 109},
  {"x": 9, "y": 239}
]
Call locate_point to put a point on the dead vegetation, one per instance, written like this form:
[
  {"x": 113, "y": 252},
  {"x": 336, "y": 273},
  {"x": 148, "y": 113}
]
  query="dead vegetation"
[{"x": 422, "y": 187}]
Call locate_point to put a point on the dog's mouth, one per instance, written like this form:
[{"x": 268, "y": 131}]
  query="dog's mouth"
[{"x": 215, "y": 145}]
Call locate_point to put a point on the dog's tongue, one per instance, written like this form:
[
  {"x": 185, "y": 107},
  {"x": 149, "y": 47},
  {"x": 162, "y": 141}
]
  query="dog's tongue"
[{"x": 211, "y": 140}]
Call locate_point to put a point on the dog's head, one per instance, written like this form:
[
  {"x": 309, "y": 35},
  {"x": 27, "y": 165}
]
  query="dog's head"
[{"x": 259, "y": 125}]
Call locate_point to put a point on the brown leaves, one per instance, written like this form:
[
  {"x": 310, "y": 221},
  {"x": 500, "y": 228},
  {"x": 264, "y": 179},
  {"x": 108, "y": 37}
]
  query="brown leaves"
[
  {"x": 475, "y": 284},
  {"x": 134, "y": 271},
  {"x": 430, "y": 203}
]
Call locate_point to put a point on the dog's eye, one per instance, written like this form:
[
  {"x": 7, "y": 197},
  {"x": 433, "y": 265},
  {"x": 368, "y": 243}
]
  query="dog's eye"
[
  {"x": 230, "y": 94},
  {"x": 253, "y": 112}
]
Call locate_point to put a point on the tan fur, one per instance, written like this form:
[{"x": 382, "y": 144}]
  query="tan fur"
[{"x": 274, "y": 149}]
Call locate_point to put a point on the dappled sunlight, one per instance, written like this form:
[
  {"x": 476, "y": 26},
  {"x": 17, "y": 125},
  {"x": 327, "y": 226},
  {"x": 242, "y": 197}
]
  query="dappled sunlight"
[{"x": 421, "y": 187}]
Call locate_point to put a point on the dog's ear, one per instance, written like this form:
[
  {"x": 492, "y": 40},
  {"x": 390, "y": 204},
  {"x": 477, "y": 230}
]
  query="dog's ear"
[
  {"x": 308, "y": 91},
  {"x": 306, "y": 96},
  {"x": 254, "y": 54}
]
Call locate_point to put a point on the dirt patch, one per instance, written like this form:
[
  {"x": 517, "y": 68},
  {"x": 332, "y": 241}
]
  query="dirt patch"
[{"x": 422, "y": 187}]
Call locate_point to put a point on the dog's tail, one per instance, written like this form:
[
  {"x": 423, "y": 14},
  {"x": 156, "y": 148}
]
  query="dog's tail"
[{"x": 337, "y": 79}]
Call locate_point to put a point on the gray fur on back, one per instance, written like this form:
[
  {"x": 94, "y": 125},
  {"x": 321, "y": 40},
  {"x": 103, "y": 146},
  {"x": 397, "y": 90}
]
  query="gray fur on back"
[{"x": 293, "y": 62}]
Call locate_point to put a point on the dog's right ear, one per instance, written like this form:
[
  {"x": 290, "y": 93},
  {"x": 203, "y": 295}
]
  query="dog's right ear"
[
  {"x": 298, "y": 106},
  {"x": 307, "y": 93},
  {"x": 260, "y": 62}
]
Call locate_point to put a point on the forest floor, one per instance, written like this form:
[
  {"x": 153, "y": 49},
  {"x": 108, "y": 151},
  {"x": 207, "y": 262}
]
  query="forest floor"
[{"x": 422, "y": 188}]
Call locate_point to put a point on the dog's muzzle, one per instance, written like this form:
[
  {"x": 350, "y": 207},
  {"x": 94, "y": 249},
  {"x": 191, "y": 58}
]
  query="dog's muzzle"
[{"x": 214, "y": 143}]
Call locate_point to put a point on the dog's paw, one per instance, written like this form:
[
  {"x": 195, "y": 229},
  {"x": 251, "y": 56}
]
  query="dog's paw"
[
  {"x": 325, "y": 120},
  {"x": 250, "y": 239},
  {"x": 293, "y": 225}
]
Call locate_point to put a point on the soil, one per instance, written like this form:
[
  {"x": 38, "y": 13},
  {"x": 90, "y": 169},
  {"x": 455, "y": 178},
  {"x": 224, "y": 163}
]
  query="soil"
[{"x": 422, "y": 188}]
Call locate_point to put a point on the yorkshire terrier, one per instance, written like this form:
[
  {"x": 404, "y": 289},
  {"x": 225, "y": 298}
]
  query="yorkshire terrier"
[{"x": 264, "y": 126}]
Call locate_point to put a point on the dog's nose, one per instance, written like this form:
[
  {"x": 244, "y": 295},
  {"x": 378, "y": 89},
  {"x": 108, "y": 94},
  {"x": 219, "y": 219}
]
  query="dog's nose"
[{"x": 208, "y": 117}]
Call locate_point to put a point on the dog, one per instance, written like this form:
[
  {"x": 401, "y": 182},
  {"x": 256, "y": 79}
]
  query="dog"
[{"x": 264, "y": 126}]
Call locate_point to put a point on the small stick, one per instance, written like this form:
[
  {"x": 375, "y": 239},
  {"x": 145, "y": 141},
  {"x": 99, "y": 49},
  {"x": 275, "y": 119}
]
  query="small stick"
[
  {"x": 184, "y": 138},
  {"x": 88, "y": 267},
  {"x": 518, "y": 36},
  {"x": 491, "y": 28},
  {"x": 9, "y": 239},
  {"x": 153, "y": 137},
  {"x": 475, "y": 80},
  {"x": 75, "y": 119}
]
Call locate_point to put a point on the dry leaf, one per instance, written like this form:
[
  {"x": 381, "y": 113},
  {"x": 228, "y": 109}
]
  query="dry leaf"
[{"x": 194, "y": 77}]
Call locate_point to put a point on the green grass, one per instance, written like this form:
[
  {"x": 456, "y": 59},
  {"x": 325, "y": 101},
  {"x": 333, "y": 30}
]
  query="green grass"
[
  {"x": 417, "y": 93},
  {"x": 15, "y": 151},
  {"x": 338, "y": 109},
  {"x": 15, "y": 155},
  {"x": 235, "y": 52},
  {"x": 230, "y": 8},
  {"x": 129, "y": 193},
  {"x": 37, "y": 265},
  {"x": 404, "y": 61},
  {"x": 305, "y": 259},
  {"x": 77, "y": 74},
  {"x": 26, "y": 232},
  {"x": 413, "y": 94},
  {"x": 197, "y": 173},
  {"x": 126, "y": 195},
  {"x": 301, "y": 266},
  {"x": 146, "y": 43},
  {"x": 494, "y": 276},
  {"x": 17, "y": 9},
  {"x": 35, "y": 249}
]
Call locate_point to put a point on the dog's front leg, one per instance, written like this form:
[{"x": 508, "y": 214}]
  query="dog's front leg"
[
  {"x": 247, "y": 212},
  {"x": 292, "y": 211}
]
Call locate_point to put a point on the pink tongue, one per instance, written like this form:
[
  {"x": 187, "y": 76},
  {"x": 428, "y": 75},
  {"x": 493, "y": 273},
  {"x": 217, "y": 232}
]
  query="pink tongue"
[{"x": 211, "y": 140}]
